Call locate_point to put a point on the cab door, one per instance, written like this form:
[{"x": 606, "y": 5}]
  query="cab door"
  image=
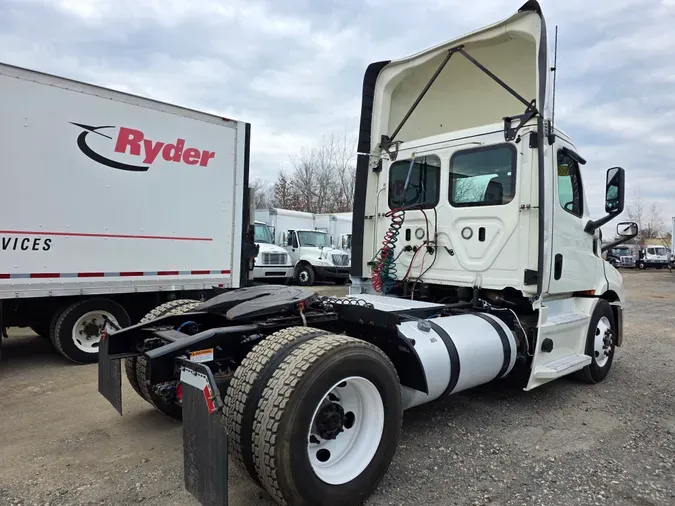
[{"x": 575, "y": 264}]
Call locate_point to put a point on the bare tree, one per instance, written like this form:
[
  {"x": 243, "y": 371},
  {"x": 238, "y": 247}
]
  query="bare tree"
[
  {"x": 648, "y": 218},
  {"x": 262, "y": 193}
]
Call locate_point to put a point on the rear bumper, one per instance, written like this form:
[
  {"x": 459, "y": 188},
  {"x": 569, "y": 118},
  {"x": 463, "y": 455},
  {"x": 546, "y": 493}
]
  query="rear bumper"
[{"x": 332, "y": 272}]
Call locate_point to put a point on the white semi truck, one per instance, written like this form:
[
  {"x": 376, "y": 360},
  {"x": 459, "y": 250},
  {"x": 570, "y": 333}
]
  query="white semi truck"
[
  {"x": 273, "y": 263},
  {"x": 474, "y": 258},
  {"x": 310, "y": 248},
  {"x": 103, "y": 206},
  {"x": 339, "y": 226}
]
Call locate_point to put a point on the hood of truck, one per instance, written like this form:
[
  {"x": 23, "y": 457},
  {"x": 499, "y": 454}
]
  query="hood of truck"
[
  {"x": 462, "y": 96},
  {"x": 270, "y": 248}
]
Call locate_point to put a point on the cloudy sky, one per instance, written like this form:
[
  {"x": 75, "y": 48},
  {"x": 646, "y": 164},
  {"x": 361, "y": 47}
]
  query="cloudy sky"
[{"x": 294, "y": 68}]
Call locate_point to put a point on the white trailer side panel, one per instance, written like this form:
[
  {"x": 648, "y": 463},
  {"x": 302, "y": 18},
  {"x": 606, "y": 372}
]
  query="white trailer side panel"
[{"x": 105, "y": 192}]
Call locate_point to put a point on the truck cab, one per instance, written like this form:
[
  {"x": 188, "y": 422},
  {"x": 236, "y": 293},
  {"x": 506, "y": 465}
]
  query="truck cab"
[
  {"x": 315, "y": 258},
  {"x": 273, "y": 263},
  {"x": 621, "y": 257},
  {"x": 466, "y": 187},
  {"x": 653, "y": 256}
]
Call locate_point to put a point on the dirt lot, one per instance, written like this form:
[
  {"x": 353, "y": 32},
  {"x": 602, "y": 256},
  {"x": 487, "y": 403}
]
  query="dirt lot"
[{"x": 564, "y": 443}]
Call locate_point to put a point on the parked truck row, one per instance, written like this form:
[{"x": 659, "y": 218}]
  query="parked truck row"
[{"x": 318, "y": 246}]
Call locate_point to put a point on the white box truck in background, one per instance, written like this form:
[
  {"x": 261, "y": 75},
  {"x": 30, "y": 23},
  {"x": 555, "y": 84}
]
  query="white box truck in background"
[
  {"x": 339, "y": 226},
  {"x": 113, "y": 203},
  {"x": 313, "y": 257}
]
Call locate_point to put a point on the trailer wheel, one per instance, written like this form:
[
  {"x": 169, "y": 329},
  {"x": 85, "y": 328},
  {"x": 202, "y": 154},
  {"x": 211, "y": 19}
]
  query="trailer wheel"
[
  {"x": 328, "y": 423},
  {"x": 78, "y": 328},
  {"x": 247, "y": 385},
  {"x": 304, "y": 275},
  {"x": 130, "y": 364},
  {"x": 600, "y": 343},
  {"x": 170, "y": 409}
]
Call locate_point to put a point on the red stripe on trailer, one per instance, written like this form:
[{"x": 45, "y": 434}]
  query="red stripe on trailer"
[
  {"x": 90, "y": 274},
  {"x": 45, "y": 275},
  {"x": 109, "y": 236},
  {"x": 41, "y": 275}
]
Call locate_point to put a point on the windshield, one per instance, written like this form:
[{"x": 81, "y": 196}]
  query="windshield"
[
  {"x": 313, "y": 239},
  {"x": 622, "y": 252},
  {"x": 262, "y": 234}
]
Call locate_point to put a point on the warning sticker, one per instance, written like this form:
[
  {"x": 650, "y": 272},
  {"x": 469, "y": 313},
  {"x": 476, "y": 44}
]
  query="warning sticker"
[{"x": 202, "y": 355}]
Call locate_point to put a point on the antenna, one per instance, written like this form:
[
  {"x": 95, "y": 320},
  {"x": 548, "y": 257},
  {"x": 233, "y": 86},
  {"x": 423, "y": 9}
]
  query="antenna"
[{"x": 554, "y": 69}]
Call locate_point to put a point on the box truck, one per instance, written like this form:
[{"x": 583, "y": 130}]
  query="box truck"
[
  {"x": 310, "y": 248},
  {"x": 112, "y": 203},
  {"x": 474, "y": 258},
  {"x": 273, "y": 263}
]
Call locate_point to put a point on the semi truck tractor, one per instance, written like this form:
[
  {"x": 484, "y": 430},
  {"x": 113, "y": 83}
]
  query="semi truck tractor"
[
  {"x": 474, "y": 259},
  {"x": 104, "y": 198}
]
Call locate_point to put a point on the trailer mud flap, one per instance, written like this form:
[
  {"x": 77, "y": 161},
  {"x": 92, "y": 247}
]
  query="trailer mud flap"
[
  {"x": 204, "y": 436},
  {"x": 109, "y": 375}
]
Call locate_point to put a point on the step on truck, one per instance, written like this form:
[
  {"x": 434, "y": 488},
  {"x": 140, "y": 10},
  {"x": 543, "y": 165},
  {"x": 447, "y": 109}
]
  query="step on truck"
[
  {"x": 104, "y": 198},
  {"x": 474, "y": 259}
]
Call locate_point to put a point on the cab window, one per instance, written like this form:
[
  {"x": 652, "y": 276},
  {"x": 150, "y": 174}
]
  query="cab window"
[
  {"x": 569, "y": 184},
  {"x": 484, "y": 176},
  {"x": 423, "y": 184}
]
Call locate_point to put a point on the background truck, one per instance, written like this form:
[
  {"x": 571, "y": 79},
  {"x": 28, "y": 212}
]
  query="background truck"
[
  {"x": 339, "y": 226},
  {"x": 312, "y": 255},
  {"x": 621, "y": 257},
  {"x": 273, "y": 263},
  {"x": 475, "y": 259},
  {"x": 656, "y": 257},
  {"x": 103, "y": 201}
]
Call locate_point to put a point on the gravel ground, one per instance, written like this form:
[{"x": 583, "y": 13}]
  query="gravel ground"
[{"x": 563, "y": 444}]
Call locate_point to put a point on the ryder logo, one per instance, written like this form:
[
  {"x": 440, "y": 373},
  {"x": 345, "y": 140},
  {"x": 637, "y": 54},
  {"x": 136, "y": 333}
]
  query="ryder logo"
[{"x": 132, "y": 144}]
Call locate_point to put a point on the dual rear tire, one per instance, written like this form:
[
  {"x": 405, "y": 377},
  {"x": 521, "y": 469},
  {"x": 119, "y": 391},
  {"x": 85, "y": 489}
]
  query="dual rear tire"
[{"x": 314, "y": 418}]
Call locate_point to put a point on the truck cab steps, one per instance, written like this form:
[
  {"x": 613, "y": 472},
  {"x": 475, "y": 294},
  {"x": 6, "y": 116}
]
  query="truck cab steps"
[{"x": 561, "y": 366}]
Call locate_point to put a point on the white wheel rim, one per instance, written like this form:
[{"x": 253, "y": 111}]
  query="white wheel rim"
[
  {"x": 602, "y": 342},
  {"x": 340, "y": 459},
  {"x": 304, "y": 276},
  {"x": 88, "y": 330}
]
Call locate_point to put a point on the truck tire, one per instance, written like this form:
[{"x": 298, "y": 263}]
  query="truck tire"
[
  {"x": 247, "y": 385},
  {"x": 328, "y": 423},
  {"x": 161, "y": 310},
  {"x": 78, "y": 328},
  {"x": 600, "y": 344},
  {"x": 169, "y": 409},
  {"x": 305, "y": 275}
]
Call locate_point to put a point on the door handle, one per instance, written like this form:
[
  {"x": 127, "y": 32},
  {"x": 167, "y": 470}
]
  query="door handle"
[{"x": 557, "y": 267}]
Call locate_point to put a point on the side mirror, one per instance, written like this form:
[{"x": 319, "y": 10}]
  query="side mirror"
[
  {"x": 614, "y": 198},
  {"x": 614, "y": 190},
  {"x": 627, "y": 229}
]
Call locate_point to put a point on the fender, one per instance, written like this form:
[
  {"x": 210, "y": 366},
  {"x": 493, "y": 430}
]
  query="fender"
[{"x": 384, "y": 334}]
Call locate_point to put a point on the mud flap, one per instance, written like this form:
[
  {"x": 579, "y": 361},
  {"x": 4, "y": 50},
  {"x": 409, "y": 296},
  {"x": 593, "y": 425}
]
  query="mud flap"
[
  {"x": 204, "y": 436},
  {"x": 109, "y": 375}
]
